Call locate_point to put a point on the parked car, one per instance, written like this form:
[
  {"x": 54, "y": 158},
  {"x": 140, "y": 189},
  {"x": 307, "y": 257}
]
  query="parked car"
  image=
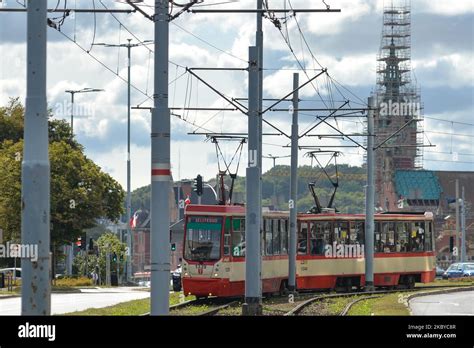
[
  {"x": 439, "y": 271},
  {"x": 144, "y": 283},
  {"x": 459, "y": 270},
  {"x": 10, "y": 270}
]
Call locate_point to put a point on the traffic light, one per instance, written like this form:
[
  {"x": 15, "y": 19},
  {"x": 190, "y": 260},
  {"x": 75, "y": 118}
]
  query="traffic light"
[
  {"x": 173, "y": 246},
  {"x": 451, "y": 244},
  {"x": 84, "y": 242},
  {"x": 91, "y": 244},
  {"x": 114, "y": 257},
  {"x": 198, "y": 188}
]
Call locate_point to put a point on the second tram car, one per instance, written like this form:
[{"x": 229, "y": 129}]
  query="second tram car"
[{"x": 330, "y": 250}]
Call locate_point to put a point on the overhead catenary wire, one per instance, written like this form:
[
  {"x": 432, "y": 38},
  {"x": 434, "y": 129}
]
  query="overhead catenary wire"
[
  {"x": 208, "y": 43},
  {"x": 135, "y": 36},
  {"x": 103, "y": 64},
  {"x": 95, "y": 27}
]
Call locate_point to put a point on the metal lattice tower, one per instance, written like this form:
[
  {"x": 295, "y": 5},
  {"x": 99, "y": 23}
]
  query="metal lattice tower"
[{"x": 398, "y": 100}]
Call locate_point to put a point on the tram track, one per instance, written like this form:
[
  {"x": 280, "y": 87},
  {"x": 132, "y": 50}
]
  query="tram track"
[
  {"x": 212, "y": 306},
  {"x": 363, "y": 296}
]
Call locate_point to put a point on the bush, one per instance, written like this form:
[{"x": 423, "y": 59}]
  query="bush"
[{"x": 73, "y": 281}]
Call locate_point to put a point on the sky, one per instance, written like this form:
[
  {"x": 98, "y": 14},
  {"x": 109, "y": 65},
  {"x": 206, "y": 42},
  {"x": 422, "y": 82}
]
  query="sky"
[{"x": 345, "y": 43}]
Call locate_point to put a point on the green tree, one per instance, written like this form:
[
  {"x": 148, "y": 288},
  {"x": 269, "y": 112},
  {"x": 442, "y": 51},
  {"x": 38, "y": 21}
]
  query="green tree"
[
  {"x": 80, "y": 192},
  {"x": 11, "y": 120}
]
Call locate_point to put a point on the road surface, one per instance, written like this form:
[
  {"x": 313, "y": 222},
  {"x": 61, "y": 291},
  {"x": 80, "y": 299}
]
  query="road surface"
[
  {"x": 457, "y": 303},
  {"x": 88, "y": 298}
]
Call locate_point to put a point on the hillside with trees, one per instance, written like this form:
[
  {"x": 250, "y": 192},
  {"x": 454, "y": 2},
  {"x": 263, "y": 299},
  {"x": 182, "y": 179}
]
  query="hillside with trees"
[{"x": 276, "y": 188}]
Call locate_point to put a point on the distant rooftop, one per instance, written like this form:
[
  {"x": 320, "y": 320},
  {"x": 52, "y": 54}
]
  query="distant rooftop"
[{"x": 417, "y": 184}]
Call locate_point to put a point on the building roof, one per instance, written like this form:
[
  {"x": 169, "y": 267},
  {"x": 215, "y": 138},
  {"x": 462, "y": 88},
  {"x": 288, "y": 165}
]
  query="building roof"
[{"x": 417, "y": 184}]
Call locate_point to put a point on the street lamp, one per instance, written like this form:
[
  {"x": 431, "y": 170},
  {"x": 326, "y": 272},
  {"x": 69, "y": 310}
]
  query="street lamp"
[{"x": 83, "y": 90}]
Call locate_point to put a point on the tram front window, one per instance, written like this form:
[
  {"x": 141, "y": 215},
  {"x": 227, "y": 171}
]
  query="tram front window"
[{"x": 203, "y": 238}]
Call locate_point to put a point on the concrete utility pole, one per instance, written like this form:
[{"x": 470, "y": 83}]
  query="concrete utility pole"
[
  {"x": 259, "y": 44},
  {"x": 463, "y": 227},
  {"x": 160, "y": 166},
  {"x": 293, "y": 189},
  {"x": 35, "y": 173},
  {"x": 456, "y": 256},
  {"x": 253, "y": 259},
  {"x": 128, "y": 275},
  {"x": 257, "y": 310},
  {"x": 369, "y": 200}
]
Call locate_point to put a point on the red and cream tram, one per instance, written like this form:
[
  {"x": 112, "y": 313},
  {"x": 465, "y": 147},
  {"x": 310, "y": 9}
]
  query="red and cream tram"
[{"x": 330, "y": 250}]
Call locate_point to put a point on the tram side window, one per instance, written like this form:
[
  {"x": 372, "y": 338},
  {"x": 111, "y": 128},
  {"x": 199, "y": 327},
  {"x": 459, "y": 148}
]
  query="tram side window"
[
  {"x": 357, "y": 232},
  {"x": 341, "y": 232},
  {"x": 320, "y": 236},
  {"x": 377, "y": 236},
  {"x": 417, "y": 236},
  {"x": 387, "y": 237},
  {"x": 428, "y": 236},
  {"x": 268, "y": 237},
  {"x": 402, "y": 237},
  {"x": 227, "y": 236},
  {"x": 284, "y": 236},
  {"x": 238, "y": 237},
  {"x": 303, "y": 238},
  {"x": 276, "y": 237}
]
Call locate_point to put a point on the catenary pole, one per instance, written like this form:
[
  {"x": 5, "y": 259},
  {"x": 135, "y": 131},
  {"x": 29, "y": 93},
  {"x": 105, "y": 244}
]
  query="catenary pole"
[
  {"x": 128, "y": 275},
  {"x": 253, "y": 263},
  {"x": 259, "y": 44},
  {"x": 463, "y": 227},
  {"x": 369, "y": 200},
  {"x": 456, "y": 255},
  {"x": 293, "y": 189},
  {"x": 160, "y": 166},
  {"x": 35, "y": 174}
]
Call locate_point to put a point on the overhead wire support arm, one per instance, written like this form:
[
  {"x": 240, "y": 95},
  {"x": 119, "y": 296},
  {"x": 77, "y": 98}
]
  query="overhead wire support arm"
[
  {"x": 342, "y": 133},
  {"x": 395, "y": 133},
  {"x": 231, "y": 101},
  {"x": 69, "y": 10},
  {"x": 229, "y": 135},
  {"x": 403, "y": 145},
  {"x": 238, "y": 102},
  {"x": 203, "y": 109},
  {"x": 221, "y": 69},
  {"x": 338, "y": 135},
  {"x": 185, "y": 8},
  {"x": 216, "y": 91},
  {"x": 354, "y": 110},
  {"x": 291, "y": 93},
  {"x": 324, "y": 119},
  {"x": 138, "y": 9},
  {"x": 296, "y": 10},
  {"x": 323, "y": 146}
]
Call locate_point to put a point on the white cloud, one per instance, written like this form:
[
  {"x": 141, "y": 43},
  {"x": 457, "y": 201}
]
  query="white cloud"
[
  {"x": 444, "y": 7},
  {"x": 453, "y": 70},
  {"x": 332, "y": 23}
]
